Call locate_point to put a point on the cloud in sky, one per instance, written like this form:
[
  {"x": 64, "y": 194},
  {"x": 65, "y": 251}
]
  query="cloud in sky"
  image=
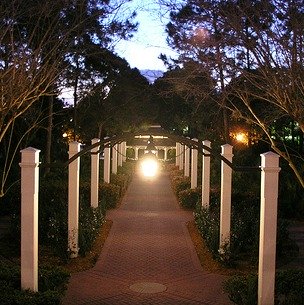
[{"x": 143, "y": 50}]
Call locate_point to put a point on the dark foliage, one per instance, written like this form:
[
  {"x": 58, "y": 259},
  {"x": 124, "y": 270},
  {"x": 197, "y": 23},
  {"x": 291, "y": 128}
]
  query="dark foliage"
[
  {"x": 242, "y": 290},
  {"x": 51, "y": 284}
]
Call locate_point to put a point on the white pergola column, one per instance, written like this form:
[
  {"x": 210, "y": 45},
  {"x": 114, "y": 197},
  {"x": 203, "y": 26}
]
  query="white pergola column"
[
  {"x": 124, "y": 151},
  {"x": 187, "y": 161},
  {"x": 29, "y": 218},
  {"x": 136, "y": 152},
  {"x": 177, "y": 152},
  {"x": 94, "y": 174},
  {"x": 226, "y": 184},
  {"x": 268, "y": 227},
  {"x": 181, "y": 157},
  {"x": 166, "y": 153},
  {"x": 73, "y": 199},
  {"x": 107, "y": 164},
  {"x": 119, "y": 162},
  {"x": 114, "y": 159},
  {"x": 206, "y": 175},
  {"x": 194, "y": 154}
]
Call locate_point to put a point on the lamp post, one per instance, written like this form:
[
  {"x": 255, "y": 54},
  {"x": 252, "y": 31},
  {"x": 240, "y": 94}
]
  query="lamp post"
[
  {"x": 151, "y": 148},
  {"x": 149, "y": 164}
]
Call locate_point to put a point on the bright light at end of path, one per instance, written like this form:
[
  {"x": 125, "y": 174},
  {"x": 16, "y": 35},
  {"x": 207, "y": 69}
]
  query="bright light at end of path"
[{"x": 149, "y": 167}]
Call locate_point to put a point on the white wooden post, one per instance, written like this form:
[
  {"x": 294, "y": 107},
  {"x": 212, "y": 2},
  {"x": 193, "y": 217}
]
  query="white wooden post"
[
  {"x": 181, "y": 157},
  {"x": 114, "y": 159},
  {"x": 194, "y": 154},
  {"x": 206, "y": 175},
  {"x": 165, "y": 153},
  {"x": 136, "y": 153},
  {"x": 177, "y": 152},
  {"x": 29, "y": 218},
  {"x": 106, "y": 164},
  {"x": 124, "y": 151},
  {"x": 187, "y": 161},
  {"x": 226, "y": 183},
  {"x": 94, "y": 174},
  {"x": 268, "y": 227},
  {"x": 119, "y": 154},
  {"x": 73, "y": 200}
]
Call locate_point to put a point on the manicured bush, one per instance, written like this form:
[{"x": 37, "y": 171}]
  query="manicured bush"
[
  {"x": 242, "y": 290},
  {"x": 207, "y": 222},
  {"x": 180, "y": 183},
  {"x": 110, "y": 194},
  {"x": 90, "y": 221},
  {"x": 53, "y": 209},
  {"x": 127, "y": 168},
  {"x": 53, "y": 216},
  {"x": 189, "y": 198},
  {"x": 51, "y": 284},
  {"x": 174, "y": 172},
  {"x": 244, "y": 239},
  {"x": 121, "y": 180}
]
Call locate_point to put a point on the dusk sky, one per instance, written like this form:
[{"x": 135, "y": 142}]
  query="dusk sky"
[{"x": 143, "y": 50}]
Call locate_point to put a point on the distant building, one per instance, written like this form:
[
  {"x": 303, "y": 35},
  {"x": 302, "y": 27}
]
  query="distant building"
[{"x": 162, "y": 143}]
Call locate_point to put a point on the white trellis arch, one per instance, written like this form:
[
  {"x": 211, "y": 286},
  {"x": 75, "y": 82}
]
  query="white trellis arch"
[{"x": 29, "y": 204}]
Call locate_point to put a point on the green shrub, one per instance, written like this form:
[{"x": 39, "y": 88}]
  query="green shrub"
[
  {"x": 289, "y": 286},
  {"x": 110, "y": 194},
  {"x": 180, "y": 183},
  {"x": 128, "y": 168},
  {"x": 207, "y": 222},
  {"x": 242, "y": 290},
  {"x": 189, "y": 198},
  {"x": 90, "y": 221},
  {"x": 245, "y": 223},
  {"x": 174, "y": 172},
  {"x": 53, "y": 215},
  {"x": 121, "y": 180},
  {"x": 53, "y": 209},
  {"x": 51, "y": 284}
]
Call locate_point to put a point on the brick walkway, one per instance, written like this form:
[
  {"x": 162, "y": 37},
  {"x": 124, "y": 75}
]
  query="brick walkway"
[{"x": 148, "y": 257}]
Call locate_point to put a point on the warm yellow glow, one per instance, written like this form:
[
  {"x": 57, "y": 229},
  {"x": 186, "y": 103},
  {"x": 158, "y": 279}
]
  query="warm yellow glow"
[
  {"x": 241, "y": 137},
  {"x": 149, "y": 167},
  {"x": 65, "y": 135},
  {"x": 147, "y": 137}
]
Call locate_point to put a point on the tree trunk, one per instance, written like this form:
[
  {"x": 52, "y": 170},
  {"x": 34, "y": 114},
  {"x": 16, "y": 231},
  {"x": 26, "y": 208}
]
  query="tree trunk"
[{"x": 49, "y": 135}]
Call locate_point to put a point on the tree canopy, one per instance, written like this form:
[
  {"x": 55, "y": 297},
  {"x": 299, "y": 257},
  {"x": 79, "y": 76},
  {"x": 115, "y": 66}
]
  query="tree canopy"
[
  {"x": 48, "y": 45},
  {"x": 254, "y": 52}
]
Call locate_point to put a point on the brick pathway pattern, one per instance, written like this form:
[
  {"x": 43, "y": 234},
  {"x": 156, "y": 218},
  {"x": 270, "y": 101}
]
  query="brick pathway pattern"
[{"x": 148, "y": 247}]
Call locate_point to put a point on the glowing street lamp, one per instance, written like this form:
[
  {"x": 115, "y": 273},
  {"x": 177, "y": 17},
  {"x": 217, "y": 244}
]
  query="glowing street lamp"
[
  {"x": 149, "y": 166},
  {"x": 240, "y": 137},
  {"x": 149, "y": 163}
]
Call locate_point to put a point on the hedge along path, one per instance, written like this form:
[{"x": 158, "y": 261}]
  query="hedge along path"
[{"x": 148, "y": 257}]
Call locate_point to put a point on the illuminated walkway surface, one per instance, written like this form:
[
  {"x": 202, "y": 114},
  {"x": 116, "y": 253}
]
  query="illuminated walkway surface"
[{"x": 148, "y": 257}]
